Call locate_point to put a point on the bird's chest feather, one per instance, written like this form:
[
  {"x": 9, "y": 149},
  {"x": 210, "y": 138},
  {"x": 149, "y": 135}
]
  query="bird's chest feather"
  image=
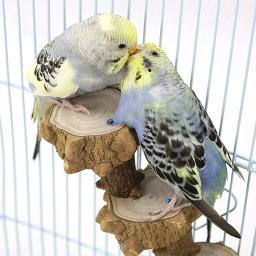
[{"x": 131, "y": 110}]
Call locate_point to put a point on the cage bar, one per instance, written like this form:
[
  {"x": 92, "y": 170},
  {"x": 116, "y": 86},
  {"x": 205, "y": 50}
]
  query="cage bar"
[
  {"x": 162, "y": 23},
  {"x": 247, "y": 188},
  {"x": 241, "y": 107},
  {"x": 179, "y": 34},
  {"x": 229, "y": 67},
  {"x": 6, "y": 240},
  {"x": 12, "y": 127},
  {"x": 195, "y": 42},
  {"x": 212, "y": 54}
]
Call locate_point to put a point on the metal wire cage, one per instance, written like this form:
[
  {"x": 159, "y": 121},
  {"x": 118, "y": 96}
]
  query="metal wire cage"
[{"x": 43, "y": 211}]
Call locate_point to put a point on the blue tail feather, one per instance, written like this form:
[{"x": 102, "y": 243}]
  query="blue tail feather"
[{"x": 214, "y": 174}]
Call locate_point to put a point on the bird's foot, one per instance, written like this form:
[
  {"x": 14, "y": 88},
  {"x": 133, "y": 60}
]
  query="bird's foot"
[
  {"x": 170, "y": 207},
  {"x": 68, "y": 104}
]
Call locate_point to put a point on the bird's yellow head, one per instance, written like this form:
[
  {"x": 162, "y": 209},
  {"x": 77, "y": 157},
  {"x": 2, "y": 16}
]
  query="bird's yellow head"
[
  {"x": 145, "y": 65},
  {"x": 114, "y": 40}
]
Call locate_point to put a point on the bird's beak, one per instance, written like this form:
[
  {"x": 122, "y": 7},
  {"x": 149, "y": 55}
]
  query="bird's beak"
[{"x": 134, "y": 49}]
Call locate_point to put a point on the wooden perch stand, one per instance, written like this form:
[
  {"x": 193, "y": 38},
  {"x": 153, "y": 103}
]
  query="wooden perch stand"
[
  {"x": 86, "y": 142},
  {"x": 126, "y": 219},
  {"x": 170, "y": 236}
]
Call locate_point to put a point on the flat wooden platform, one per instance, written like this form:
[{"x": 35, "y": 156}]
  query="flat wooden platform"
[
  {"x": 217, "y": 249},
  {"x": 154, "y": 193},
  {"x": 125, "y": 218},
  {"x": 86, "y": 142}
]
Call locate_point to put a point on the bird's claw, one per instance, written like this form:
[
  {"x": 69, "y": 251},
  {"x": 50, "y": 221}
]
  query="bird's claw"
[
  {"x": 69, "y": 105},
  {"x": 169, "y": 207},
  {"x": 81, "y": 108},
  {"x": 150, "y": 219},
  {"x": 157, "y": 212},
  {"x": 154, "y": 213}
]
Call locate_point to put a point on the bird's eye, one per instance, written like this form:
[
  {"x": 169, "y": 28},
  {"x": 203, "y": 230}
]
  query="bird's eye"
[
  {"x": 121, "y": 46},
  {"x": 155, "y": 53}
]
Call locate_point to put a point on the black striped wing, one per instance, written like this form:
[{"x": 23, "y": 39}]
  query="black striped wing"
[
  {"x": 214, "y": 137},
  {"x": 174, "y": 158},
  {"x": 174, "y": 146},
  {"x": 47, "y": 68}
]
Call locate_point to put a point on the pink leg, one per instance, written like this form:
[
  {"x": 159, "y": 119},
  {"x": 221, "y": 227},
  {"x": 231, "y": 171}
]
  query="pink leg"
[
  {"x": 170, "y": 207},
  {"x": 67, "y": 104}
]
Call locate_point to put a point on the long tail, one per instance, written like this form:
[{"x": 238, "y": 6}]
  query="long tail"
[
  {"x": 238, "y": 172},
  {"x": 41, "y": 105},
  {"x": 209, "y": 231},
  {"x": 37, "y": 145},
  {"x": 214, "y": 217}
]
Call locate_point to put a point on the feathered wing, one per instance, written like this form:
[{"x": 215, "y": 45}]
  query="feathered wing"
[
  {"x": 174, "y": 146},
  {"x": 175, "y": 158},
  {"x": 49, "y": 76},
  {"x": 214, "y": 137},
  {"x": 47, "y": 67},
  {"x": 52, "y": 74}
]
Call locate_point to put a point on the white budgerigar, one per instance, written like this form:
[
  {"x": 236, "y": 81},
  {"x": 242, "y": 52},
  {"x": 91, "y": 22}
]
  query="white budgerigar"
[
  {"x": 86, "y": 57},
  {"x": 176, "y": 134}
]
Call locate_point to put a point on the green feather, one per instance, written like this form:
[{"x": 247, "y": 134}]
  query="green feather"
[{"x": 41, "y": 105}]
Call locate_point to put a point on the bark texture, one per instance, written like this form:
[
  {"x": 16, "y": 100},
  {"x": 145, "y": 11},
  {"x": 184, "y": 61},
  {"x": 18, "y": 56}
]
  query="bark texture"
[
  {"x": 167, "y": 237},
  {"x": 110, "y": 154}
]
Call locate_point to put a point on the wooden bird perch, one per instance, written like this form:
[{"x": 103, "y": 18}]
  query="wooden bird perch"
[
  {"x": 86, "y": 142},
  {"x": 125, "y": 218},
  {"x": 170, "y": 236}
]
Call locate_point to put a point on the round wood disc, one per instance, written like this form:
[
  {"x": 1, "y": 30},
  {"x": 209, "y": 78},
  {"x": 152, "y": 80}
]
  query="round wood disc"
[
  {"x": 215, "y": 250},
  {"x": 154, "y": 193},
  {"x": 101, "y": 105}
]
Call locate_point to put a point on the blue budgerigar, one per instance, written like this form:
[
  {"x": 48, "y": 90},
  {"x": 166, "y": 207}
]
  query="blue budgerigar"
[{"x": 175, "y": 132}]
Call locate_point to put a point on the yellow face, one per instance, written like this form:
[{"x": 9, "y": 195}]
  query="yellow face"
[
  {"x": 137, "y": 75},
  {"x": 145, "y": 65},
  {"x": 120, "y": 38}
]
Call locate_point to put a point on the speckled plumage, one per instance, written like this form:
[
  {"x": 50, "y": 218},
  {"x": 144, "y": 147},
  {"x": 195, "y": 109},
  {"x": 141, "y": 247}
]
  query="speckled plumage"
[
  {"x": 88, "y": 54},
  {"x": 177, "y": 136},
  {"x": 87, "y": 57},
  {"x": 174, "y": 138}
]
